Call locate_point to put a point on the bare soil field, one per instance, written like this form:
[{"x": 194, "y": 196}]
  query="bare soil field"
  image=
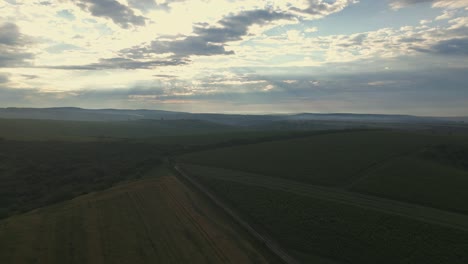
[{"x": 155, "y": 220}]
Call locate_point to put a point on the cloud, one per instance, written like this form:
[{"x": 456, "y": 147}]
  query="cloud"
[
  {"x": 450, "y": 4},
  {"x": 311, "y": 30},
  {"x": 411, "y": 41},
  {"x": 121, "y": 63},
  {"x": 321, "y": 8},
  {"x": 165, "y": 76},
  {"x": 12, "y": 58},
  {"x": 455, "y": 47},
  {"x": 30, "y": 76},
  {"x": 447, "y": 14},
  {"x": 210, "y": 40},
  {"x": 397, "y": 4},
  {"x": 4, "y": 78},
  {"x": 120, "y": 14},
  {"x": 10, "y": 35},
  {"x": 13, "y": 46}
]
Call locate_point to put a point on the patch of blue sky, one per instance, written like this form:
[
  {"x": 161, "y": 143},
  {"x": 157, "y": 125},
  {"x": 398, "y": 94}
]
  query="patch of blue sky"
[
  {"x": 62, "y": 47},
  {"x": 66, "y": 14}
]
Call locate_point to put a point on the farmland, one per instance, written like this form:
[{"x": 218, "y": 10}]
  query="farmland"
[
  {"x": 353, "y": 197},
  {"x": 420, "y": 181},
  {"x": 308, "y": 227},
  {"x": 314, "y": 159},
  {"x": 153, "y": 220},
  {"x": 105, "y": 192}
]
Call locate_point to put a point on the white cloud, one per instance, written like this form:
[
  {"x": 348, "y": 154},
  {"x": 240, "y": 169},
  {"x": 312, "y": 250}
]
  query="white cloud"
[
  {"x": 450, "y": 4},
  {"x": 312, "y": 30},
  {"x": 425, "y": 22},
  {"x": 447, "y": 14}
]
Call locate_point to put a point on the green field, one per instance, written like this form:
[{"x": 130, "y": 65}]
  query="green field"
[
  {"x": 410, "y": 210},
  {"x": 420, "y": 181},
  {"x": 309, "y": 227},
  {"x": 333, "y": 159},
  {"x": 356, "y": 197},
  {"x": 154, "y": 220}
]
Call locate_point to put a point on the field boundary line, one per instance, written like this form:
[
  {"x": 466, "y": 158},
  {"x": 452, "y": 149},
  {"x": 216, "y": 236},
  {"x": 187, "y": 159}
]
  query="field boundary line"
[{"x": 365, "y": 173}]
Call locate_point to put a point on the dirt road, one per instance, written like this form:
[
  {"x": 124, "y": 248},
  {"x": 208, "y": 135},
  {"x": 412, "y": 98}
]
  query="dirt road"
[{"x": 268, "y": 242}]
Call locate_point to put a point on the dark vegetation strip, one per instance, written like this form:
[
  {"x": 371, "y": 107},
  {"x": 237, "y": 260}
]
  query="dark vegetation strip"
[{"x": 37, "y": 174}]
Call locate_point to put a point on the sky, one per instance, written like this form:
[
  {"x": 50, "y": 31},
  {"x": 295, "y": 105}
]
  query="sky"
[{"x": 237, "y": 56}]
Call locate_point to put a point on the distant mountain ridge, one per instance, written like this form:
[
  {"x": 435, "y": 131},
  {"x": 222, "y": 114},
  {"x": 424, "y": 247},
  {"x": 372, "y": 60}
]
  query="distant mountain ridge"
[{"x": 80, "y": 114}]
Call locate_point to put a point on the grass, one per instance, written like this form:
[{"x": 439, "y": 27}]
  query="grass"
[{"x": 154, "y": 220}]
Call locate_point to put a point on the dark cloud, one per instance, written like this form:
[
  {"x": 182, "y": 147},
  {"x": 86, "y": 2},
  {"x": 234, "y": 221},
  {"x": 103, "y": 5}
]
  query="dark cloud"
[
  {"x": 209, "y": 40},
  {"x": 29, "y": 76},
  {"x": 122, "y": 63},
  {"x": 458, "y": 47},
  {"x": 168, "y": 76},
  {"x": 13, "y": 58},
  {"x": 412, "y": 39},
  {"x": 120, "y": 14},
  {"x": 354, "y": 40},
  {"x": 186, "y": 47},
  {"x": 10, "y": 35},
  {"x": 13, "y": 45}
]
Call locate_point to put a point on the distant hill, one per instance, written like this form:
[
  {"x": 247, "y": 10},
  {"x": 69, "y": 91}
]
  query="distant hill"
[
  {"x": 79, "y": 114},
  {"x": 34, "y": 129}
]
